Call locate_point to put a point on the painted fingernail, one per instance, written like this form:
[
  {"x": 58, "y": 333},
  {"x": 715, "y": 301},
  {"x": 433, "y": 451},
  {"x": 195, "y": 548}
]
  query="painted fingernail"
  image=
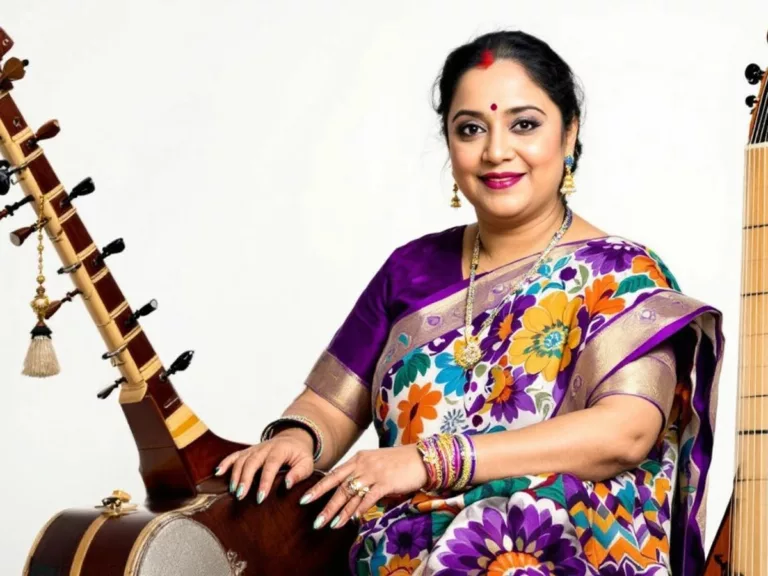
[
  {"x": 240, "y": 491},
  {"x": 319, "y": 522},
  {"x": 231, "y": 486},
  {"x": 305, "y": 499},
  {"x": 260, "y": 497},
  {"x": 217, "y": 471},
  {"x": 288, "y": 483},
  {"x": 354, "y": 516},
  {"x": 335, "y": 521}
]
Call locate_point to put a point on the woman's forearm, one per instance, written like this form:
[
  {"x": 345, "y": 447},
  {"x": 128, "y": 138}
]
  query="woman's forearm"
[
  {"x": 593, "y": 444},
  {"x": 339, "y": 431}
]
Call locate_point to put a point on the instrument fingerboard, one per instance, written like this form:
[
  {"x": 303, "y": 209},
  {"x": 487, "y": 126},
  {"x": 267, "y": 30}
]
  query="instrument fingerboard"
[
  {"x": 137, "y": 360},
  {"x": 750, "y": 511}
]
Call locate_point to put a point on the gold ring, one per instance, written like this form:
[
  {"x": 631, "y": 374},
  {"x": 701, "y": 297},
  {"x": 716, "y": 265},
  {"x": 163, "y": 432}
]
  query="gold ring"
[
  {"x": 355, "y": 488},
  {"x": 348, "y": 486}
]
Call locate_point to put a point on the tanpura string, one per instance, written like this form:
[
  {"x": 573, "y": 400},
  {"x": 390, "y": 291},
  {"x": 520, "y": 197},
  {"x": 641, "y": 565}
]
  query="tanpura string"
[
  {"x": 739, "y": 454},
  {"x": 761, "y": 125},
  {"x": 752, "y": 308},
  {"x": 760, "y": 457},
  {"x": 763, "y": 121},
  {"x": 757, "y": 366},
  {"x": 756, "y": 455}
]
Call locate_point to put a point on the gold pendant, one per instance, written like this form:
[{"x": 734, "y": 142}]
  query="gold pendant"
[{"x": 470, "y": 355}]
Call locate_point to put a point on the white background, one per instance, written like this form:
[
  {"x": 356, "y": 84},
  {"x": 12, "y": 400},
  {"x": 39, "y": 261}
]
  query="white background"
[{"x": 261, "y": 160}]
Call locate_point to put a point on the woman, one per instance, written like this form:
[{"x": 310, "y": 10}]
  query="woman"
[{"x": 543, "y": 393}]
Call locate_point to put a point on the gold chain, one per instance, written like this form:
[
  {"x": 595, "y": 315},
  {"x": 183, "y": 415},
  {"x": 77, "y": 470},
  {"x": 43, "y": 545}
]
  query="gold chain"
[
  {"x": 472, "y": 352},
  {"x": 40, "y": 303}
]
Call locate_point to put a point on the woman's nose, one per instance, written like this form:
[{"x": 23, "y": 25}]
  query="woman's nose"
[{"x": 499, "y": 147}]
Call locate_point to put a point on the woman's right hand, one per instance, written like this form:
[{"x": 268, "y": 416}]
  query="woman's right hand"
[{"x": 292, "y": 447}]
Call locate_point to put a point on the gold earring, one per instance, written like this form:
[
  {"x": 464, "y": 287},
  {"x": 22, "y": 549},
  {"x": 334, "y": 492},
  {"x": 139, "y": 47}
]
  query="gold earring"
[
  {"x": 569, "y": 186},
  {"x": 455, "y": 201}
]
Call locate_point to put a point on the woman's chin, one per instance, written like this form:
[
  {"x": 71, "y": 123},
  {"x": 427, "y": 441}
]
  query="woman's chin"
[{"x": 503, "y": 205}]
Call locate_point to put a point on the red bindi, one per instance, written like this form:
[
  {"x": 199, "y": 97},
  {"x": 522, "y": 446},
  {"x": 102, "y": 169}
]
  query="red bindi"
[{"x": 493, "y": 106}]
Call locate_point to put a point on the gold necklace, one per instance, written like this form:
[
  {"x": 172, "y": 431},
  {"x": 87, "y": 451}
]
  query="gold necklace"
[{"x": 471, "y": 354}]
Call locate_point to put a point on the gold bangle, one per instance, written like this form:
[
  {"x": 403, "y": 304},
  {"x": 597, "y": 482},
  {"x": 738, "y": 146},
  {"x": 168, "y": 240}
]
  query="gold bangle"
[
  {"x": 445, "y": 442},
  {"x": 466, "y": 462},
  {"x": 431, "y": 457}
]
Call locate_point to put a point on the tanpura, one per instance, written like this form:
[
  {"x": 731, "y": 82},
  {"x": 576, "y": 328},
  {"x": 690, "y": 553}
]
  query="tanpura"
[
  {"x": 189, "y": 524},
  {"x": 741, "y": 543}
]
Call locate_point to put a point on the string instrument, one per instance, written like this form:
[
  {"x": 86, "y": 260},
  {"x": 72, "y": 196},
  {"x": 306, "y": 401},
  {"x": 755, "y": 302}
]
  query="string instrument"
[
  {"x": 189, "y": 524},
  {"x": 741, "y": 544}
]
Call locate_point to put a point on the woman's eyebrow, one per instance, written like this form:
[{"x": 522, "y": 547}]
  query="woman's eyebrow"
[{"x": 515, "y": 110}]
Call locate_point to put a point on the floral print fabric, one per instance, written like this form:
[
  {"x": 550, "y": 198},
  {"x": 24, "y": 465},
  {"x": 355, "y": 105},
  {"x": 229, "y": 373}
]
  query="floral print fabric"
[{"x": 533, "y": 525}]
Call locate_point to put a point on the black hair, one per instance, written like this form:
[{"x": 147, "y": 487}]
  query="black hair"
[{"x": 545, "y": 67}]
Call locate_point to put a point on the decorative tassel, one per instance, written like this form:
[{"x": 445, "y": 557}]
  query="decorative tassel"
[{"x": 41, "y": 358}]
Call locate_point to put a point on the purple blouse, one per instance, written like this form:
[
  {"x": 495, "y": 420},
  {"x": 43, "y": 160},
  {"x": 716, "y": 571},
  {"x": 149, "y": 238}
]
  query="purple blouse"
[{"x": 412, "y": 274}]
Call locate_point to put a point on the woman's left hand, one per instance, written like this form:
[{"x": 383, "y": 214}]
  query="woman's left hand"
[{"x": 385, "y": 471}]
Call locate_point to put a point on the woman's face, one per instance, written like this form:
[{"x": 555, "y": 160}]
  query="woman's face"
[{"x": 501, "y": 122}]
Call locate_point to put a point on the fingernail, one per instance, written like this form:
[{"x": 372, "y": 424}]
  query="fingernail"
[
  {"x": 217, "y": 471},
  {"x": 354, "y": 516},
  {"x": 231, "y": 486},
  {"x": 288, "y": 483},
  {"x": 240, "y": 491},
  {"x": 335, "y": 521},
  {"x": 305, "y": 499},
  {"x": 319, "y": 521},
  {"x": 260, "y": 497}
]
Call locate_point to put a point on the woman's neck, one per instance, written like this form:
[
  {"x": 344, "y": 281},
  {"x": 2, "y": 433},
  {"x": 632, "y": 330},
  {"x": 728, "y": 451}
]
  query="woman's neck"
[{"x": 501, "y": 243}]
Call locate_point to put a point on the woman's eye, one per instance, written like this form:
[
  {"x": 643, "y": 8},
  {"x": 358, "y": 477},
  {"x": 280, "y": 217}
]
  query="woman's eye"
[
  {"x": 469, "y": 129},
  {"x": 526, "y": 125}
]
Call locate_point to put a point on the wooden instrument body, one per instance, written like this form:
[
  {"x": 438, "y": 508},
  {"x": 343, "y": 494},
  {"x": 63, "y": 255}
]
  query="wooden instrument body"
[
  {"x": 740, "y": 546},
  {"x": 211, "y": 535},
  {"x": 177, "y": 451}
]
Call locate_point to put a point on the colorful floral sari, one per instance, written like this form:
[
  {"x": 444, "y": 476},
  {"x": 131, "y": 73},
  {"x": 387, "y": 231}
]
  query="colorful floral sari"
[{"x": 599, "y": 317}]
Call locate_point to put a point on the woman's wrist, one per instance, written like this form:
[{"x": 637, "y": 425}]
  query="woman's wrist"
[
  {"x": 291, "y": 421},
  {"x": 449, "y": 461},
  {"x": 297, "y": 433}
]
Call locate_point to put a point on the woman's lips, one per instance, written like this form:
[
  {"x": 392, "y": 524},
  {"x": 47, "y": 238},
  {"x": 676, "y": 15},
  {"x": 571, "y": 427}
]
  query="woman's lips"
[{"x": 501, "y": 182}]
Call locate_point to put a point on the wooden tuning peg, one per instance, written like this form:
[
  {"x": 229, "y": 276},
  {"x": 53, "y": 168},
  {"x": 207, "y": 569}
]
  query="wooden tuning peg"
[
  {"x": 145, "y": 310},
  {"x": 48, "y": 130},
  {"x": 11, "y": 208},
  {"x": 754, "y": 73},
  {"x": 5, "y": 43},
  {"x": 19, "y": 236},
  {"x": 54, "y": 306},
  {"x": 104, "y": 394},
  {"x": 179, "y": 365},
  {"x": 13, "y": 69}
]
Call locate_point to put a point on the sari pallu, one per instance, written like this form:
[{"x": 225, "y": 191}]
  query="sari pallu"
[{"x": 600, "y": 317}]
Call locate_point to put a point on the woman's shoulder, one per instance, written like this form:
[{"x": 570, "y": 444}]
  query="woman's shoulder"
[
  {"x": 441, "y": 244},
  {"x": 615, "y": 243},
  {"x": 623, "y": 257}
]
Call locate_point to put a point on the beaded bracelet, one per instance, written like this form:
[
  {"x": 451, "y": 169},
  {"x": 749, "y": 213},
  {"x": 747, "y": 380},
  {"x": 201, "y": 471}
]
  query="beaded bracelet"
[
  {"x": 450, "y": 461},
  {"x": 297, "y": 421}
]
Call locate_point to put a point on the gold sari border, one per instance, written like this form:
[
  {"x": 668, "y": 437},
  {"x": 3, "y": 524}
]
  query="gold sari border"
[
  {"x": 428, "y": 323},
  {"x": 335, "y": 382},
  {"x": 652, "y": 377},
  {"x": 629, "y": 336}
]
